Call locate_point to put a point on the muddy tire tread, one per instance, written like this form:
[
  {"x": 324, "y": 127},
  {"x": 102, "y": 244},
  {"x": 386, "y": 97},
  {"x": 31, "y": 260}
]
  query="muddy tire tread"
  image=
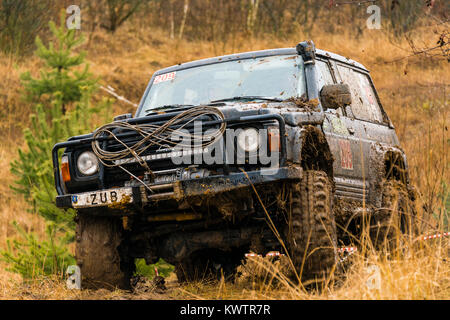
[
  {"x": 311, "y": 214},
  {"x": 396, "y": 203},
  {"x": 97, "y": 252}
]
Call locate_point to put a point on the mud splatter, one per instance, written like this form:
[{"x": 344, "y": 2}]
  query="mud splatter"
[
  {"x": 302, "y": 102},
  {"x": 122, "y": 204}
]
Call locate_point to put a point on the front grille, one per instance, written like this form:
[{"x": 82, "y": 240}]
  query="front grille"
[{"x": 157, "y": 157}]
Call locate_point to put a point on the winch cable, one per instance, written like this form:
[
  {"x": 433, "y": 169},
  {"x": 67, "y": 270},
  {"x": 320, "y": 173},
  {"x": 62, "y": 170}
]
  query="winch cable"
[
  {"x": 152, "y": 135},
  {"x": 137, "y": 178}
]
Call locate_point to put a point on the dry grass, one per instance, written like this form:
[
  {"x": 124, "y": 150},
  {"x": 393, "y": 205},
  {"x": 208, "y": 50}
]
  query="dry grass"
[
  {"x": 420, "y": 271},
  {"x": 414, "y": 93}
]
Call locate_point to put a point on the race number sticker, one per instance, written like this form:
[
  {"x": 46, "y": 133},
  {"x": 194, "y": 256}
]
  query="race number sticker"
[
  {"x": 164, "y": 77},
  {"x": 346, "y": 155}
]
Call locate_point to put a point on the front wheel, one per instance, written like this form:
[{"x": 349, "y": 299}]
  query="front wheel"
[
  {"x": 99, "y": 253},
  {"x": 311, "y": 232}
]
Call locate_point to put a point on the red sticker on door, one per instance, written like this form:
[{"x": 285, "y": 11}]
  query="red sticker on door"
[
  {"x": 164, "y": 77},
  {"x": 346, "y": 155}
]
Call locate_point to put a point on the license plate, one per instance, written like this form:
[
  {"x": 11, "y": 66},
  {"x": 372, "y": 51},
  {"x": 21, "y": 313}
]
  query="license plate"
[{"x": 112, "y": 197}]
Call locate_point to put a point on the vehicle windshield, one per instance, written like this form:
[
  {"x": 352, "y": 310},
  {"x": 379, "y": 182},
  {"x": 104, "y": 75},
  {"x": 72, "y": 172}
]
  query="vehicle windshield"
[{"x": 276, "y": 77}]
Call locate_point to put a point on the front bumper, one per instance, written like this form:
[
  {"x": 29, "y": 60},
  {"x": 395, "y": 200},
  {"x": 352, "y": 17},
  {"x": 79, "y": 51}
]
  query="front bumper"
[{"x": 184, "y": 189}]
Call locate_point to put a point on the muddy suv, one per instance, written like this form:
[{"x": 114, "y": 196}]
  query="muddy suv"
[{"x": 287, "y": 150}]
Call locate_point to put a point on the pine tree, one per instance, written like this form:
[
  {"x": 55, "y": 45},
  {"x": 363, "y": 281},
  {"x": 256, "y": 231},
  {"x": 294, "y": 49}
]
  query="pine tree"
[
  {"x": 34, "y": 168},
  {"x": 59, "y": 85},
  {"x": 60, "y": 74},
  {"x": 63, "y": 109},
  {"x": 32, "y": 258}
]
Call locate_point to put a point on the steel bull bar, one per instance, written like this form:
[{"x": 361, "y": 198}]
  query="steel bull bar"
[{"x": 182, "y": 187}]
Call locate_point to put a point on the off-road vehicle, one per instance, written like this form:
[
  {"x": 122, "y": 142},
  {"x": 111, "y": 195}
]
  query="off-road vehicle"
[{"x": 287, "y": 150}]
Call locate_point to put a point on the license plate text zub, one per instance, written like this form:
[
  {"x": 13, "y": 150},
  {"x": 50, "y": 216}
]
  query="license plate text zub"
[{"x": 102, "y": 197}]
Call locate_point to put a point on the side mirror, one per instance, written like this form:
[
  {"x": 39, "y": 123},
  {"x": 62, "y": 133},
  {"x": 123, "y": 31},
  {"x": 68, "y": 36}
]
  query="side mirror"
[
  {"x": 334, "y": 96},
  {"x": 123, "y": 117}
]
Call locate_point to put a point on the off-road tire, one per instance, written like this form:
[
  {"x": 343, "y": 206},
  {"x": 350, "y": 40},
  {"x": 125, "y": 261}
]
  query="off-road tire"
[
  {"x": 99, "y": 253},
  {"x": 311, "y": 231},
  {"x": 395, "y": 217}
]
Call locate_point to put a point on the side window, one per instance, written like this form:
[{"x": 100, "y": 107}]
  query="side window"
[
  {"x": 364, "y": 103},
  {"x": 324, "y": 76}
]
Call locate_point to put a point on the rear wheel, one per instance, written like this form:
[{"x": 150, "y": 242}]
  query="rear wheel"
[
  {"x": 395, "y": 217},
  {"x": 99, "y": 253},
  {"x": 311, "y": 232}
]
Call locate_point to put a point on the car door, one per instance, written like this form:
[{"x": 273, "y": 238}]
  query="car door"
[
  {"x": 371, "y": 122},
  {"x": 345, "y": 138}
]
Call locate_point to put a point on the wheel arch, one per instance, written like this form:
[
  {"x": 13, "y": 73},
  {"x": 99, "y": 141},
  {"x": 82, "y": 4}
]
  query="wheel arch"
[
  {"x": 315, "y": 152},
  {"x": 395, "y": 165}
]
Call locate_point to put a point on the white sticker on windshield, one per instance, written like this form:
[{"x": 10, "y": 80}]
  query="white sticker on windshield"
[{"x": 164, "y": 77}]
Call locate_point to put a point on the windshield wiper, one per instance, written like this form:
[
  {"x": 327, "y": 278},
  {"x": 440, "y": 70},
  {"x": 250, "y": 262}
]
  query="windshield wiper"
[
  {"x": 248, "y": 98},
  {"x": 169, "y": 106}
]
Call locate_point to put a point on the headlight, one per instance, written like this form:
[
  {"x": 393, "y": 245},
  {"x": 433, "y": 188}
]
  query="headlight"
[
  {"x": 87, "y": 163},
  {"x": 248, "y": 140}
]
